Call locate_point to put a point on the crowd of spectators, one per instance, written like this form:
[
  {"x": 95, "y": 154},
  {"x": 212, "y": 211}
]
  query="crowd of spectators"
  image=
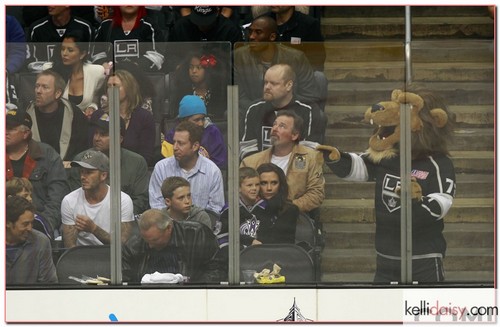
[{"x": 174, "y": 212}]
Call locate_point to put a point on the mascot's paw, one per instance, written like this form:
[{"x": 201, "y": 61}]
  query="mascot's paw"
[
  {"x": 416, "y": 190},
  {"x": 330, "y": 153}
]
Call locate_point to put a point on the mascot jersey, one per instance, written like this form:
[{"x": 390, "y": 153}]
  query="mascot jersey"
[{"x": 436, "y": 177}]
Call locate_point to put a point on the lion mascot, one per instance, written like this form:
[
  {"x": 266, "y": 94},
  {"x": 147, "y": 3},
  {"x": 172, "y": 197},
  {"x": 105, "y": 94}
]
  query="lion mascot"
[{"x": 432, "y": 182}]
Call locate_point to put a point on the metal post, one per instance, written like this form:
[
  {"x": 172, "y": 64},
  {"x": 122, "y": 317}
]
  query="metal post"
[
  {"x": 233, "y": 181},
  {"x": 114, "y": 183},
  {"x": 405, "y": 166}
]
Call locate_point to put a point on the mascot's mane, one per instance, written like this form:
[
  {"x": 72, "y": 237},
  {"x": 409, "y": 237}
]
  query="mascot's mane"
[{"x": 431, "y": 125}]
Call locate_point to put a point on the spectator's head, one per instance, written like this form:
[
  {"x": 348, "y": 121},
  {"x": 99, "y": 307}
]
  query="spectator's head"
[
  {"x": 177, "y": 194},
  {"x": 49, "y": 87},
  {"x": 20, "y": 186},
  {"x": 18, "y": 129},
  {"x": 94, "y": 170},
  {"x": 279, "y": 81},
  {"x": 119, "y": 12},
  {"x": 193, "y": 109},
  {"x": 156, "y": 228},
  {"x": 282, "y": 9},
  {"x": 101, "y": 133},
  {"x": 201, "y": 67},
  {"x": 204, "y": 17},
  {"x": 287, "y": 129},
  {"x": 272, "y": 182},
  {"x": 264, "y": 30},
  {"x": 59, "y": 11},
  {"x": 130, "y": 94},
  {"x": 249, "y": 185},
  {"x": 20, "y": 215},
  {"x": 187, "y": 140},
  {"x": 74, "y": 47}
]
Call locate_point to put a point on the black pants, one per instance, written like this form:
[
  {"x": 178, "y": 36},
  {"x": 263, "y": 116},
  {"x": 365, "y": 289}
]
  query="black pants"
[{"x": 428, "y": 270}]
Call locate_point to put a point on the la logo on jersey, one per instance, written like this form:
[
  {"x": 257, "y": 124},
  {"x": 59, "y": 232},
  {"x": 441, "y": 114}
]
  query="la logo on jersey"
[
  {"x": 266, "y": 137},
  {"x": 126, "y": 49},
  {"x": 391, "y": 200}
]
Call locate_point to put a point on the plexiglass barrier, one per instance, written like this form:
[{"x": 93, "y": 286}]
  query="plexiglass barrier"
[{"x": 325, "y": 218}]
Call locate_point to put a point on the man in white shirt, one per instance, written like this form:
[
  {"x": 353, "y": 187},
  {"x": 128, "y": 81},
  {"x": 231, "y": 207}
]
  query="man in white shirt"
[{"x": 86, "y": 212}]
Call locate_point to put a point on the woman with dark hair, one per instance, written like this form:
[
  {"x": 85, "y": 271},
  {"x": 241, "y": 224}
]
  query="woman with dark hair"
[
  {"x": 83, "y": 78},
  {"x": 203, "y": 74},
  {"x": 134, "y": 38},
  {"x": 280, "y": 228}
]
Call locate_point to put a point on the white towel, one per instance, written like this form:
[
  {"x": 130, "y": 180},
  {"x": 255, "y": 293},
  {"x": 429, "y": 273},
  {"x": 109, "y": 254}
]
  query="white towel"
[{"x": 162, "y": 278}]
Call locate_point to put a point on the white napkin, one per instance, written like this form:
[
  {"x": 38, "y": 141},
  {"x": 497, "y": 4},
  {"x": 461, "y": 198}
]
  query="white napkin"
[{"x": 161, "y": 278}]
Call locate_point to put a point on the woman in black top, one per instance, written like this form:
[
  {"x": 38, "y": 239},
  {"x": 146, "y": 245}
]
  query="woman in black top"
[{"x": 280, "y": 228}]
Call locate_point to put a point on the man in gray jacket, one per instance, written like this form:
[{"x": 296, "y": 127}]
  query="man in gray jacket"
[{"x": 28, "y": 254}]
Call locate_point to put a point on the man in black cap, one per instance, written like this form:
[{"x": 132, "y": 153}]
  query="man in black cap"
[
  {"x": 134, "y": 169},
  {"x": 86, "y": 212},
  {"x": 38, "y": 162},
  {"x": 205, "y": 23}
]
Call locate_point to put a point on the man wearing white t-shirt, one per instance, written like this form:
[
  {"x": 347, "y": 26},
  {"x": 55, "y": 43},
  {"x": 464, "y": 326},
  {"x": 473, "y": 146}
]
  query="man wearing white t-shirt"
[
  {"x": 302, "y": 165},
  {"x": 86, "y": 211}
]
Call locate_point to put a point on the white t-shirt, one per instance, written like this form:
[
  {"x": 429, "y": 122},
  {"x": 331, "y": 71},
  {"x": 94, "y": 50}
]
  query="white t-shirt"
[
  {"x": 281, "y": 162},
  {"x": 75, "y": 204}
]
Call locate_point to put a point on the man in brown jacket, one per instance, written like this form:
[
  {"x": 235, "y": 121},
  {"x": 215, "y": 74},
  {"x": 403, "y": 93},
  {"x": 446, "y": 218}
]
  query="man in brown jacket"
[{"x": 303, "y": 166}]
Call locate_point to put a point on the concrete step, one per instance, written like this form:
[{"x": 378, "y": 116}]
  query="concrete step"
[
  {"x": 468, "y": 185},
  {"x": 348, "y": 116},
  {"x": 365, "y": 94},
  {"x": 482, "y": 162},
  {"x": 399, "y": 11},
  {"x": 364, "y": 260},
  {"x": 444, "y": 50},
  {"x": 359, "y": 235},
  {"x": 472, "y": 276},
  {"x": 464, "y": 210},
  {"x": 394, "y": 27},
  {"x": 422, "y": 72},
  {"x": 356, "y": 139}
]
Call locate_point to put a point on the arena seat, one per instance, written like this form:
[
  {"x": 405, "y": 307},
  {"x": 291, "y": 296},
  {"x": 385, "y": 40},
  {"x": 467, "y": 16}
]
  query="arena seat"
[
  {"x": 89, "y": 260},
  {"x": 296, "y": 264}
]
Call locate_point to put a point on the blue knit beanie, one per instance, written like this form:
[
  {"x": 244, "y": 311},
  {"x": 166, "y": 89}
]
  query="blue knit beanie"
[{"x": 191, "y": 105}]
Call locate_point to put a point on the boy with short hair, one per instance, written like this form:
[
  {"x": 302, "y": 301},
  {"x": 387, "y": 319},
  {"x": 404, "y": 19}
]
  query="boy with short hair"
[
  {"x": 22, "y": 187},
  {"x": 252, "y": 210},
  {"x": 177, "y": 194}
]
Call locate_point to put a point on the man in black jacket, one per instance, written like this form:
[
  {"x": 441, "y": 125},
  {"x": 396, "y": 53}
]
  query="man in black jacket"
[{"x": 167, "y": 246}]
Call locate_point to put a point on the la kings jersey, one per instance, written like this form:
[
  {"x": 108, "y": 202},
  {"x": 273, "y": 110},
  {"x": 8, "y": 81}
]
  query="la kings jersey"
[
  {"x": 44, "y": 35},
  {"x": 141, "y": 45},
  {"x": 436, "y": 177}
]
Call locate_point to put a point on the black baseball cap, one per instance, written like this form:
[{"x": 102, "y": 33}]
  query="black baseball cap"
[
  {"x": 203, "y": 15},
  {"x": 18, "y": 117},
  {"x": 103, "y": 123}
]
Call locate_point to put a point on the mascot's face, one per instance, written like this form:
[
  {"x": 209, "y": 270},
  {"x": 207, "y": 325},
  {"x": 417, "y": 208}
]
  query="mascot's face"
[{"x": 384, "y": 142}]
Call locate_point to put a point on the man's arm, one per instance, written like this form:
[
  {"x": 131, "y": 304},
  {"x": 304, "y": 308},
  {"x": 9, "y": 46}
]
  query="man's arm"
[
  {"x": 216, "y": 199},
  {"x": 69, "y": 235},
  {"x": 56, "y": 188},
  {"x": 47, "y": 270},
  {"x": 315, "y": 189},
  {"x": 156, "y": 200},
  {"x": 138, "y": 191}
]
